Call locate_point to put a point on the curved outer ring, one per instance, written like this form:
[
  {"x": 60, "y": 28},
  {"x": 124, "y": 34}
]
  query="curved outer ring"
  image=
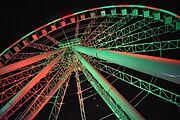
[{"x": 92, "y": 9}]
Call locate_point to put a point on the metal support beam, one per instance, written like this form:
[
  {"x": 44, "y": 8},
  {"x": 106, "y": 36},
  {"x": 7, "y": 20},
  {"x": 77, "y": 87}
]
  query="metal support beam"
[
  {"x": 23, "y": 63},
  {"x": 33, "y": 82},
  {"x": 166, "y": 69},
  {"x": 105, "y": 96},
  {"x": 121, "y": 101},
  {"x": 51, "y": 93},
  {"x": 80, "y": 96}
]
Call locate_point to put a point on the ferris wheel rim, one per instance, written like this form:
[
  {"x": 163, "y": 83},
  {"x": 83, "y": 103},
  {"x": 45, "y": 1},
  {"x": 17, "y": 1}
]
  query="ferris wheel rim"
[{"x": 88, "y": 10}]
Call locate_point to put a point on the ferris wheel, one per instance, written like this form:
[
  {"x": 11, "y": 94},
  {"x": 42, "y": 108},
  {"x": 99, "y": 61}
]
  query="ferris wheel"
[{"x": 86, "y": 58}]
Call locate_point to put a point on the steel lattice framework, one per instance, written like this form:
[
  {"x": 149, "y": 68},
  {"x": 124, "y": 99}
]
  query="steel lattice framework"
[{"x": 92, "y": 51}]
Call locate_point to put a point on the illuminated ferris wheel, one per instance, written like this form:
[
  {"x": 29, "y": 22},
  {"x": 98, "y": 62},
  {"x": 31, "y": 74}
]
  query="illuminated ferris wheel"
[{"x": 85, "y": 57}]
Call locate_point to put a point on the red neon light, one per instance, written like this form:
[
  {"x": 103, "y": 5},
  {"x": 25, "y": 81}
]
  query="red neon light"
[
  {"x": 91, "y": 9},
  {"x": 68, "y": 16},
  {"x": 178, "y": 16},
  {"x": 152, "y": 7}
]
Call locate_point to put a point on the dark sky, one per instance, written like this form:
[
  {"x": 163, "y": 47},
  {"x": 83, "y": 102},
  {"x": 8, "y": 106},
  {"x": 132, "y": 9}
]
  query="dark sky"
[{"x": 19, "y": 18}]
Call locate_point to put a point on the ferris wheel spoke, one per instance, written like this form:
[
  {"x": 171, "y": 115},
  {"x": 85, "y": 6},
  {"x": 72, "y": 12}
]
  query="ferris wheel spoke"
[
  {"x": 101, "y": 27},
  {"x": 111, "y": 29},
  {"x": 23, "y": 74},
  {"x": 33, "y": 92},
  {"x": 123, "y": 32},
  {"x": 26, "y": 55},
  {"x": 160, "y": 30},
  {"x": 25, "y": 89},
  {"x": 51, "y": 88},
  {"x": 148, "y": 47},
  {"x": 88, "y": 29},
  {"x": 139, "y": 83},
  {"x": 80, "y": 96},
  {"x": 23, "y": 63},
  {"x": 49, "y": 37},
  {"x": 58, "y": 102},
  {"x": 110, "y": 91},
  {"x": 26, "y": 98},
  {"x": 41, "y": 47},
  {"x": 119, "y": 112},
  {"x": 170, "y": 67},
  {"x": 140, "y": 36}
]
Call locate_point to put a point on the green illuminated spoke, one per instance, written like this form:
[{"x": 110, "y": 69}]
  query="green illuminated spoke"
[
  {"x": 118, "y": 34},
  {"x": 99, "y": 29},
  {"x": 57, "y": 104},
  {"x": 88, "y": 29},
  {"x": 148, "y": 47},
  {"x": 117, "y": 25},
  {"x": 136, "y": 37},
  {"x": 139, "y": 83},
  {"x": 117, "y": 109}
]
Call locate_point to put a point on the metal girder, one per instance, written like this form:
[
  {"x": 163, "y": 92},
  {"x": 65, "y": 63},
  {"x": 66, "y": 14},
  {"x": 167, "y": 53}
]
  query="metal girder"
[
  {"x": 136, "y": 37},
  {"x": 166, "y": 69},
  {"x": 32, "y": 93},
  {"x": 97, "y": 30},
  {"x": 80, "y": 97},
  {"x": 88, "y": 29},
  {"x": 117, "y": 110},
  {"x": 25, "y": 89},
  {"x": 53, "y": 85},
  {"x": 49, "y": 37},
  {"x": 111, "y": 29},
  {"x": 139, "y": 83},
  {"x": 148, "y": 47},
  {"x": 41, "y": 47},
  {"x": 26, "y": 55},
  {"x": 59, "y": 98},
  {"x": 19, "y": 76},
  {"x": 120, "y": 33},
  {"x": 121, "y": 101},
  {"x": 23, "y": 63}
]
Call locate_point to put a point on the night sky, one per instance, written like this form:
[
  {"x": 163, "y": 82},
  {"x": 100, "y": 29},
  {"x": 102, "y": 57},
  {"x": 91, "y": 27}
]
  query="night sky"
[{"x": 19, "y": 18}]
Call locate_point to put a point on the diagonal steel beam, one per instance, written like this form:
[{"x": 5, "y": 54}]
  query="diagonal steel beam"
[
  {"x": 33, "y": 82},
  {"x": 23, "y": 63},
  {"x": 164, "y": 68},
  {"x": 121, "y": 101}
]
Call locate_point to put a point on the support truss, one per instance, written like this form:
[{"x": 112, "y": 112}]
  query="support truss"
[
  {"x": 117, "y": 110},
  {"x": 51, "y": 88},
  {"x": 139, "y": 83},
  {"x": 25, "y": 89},
  {"x": 31, "y": 93},
  {"x": 49, "y": 37},
  {"x": 120, "y": 100},
  {"x": 80, "y": 97},
  {"x": 58, "y": 102},
  {"x": 111, "y": 29},
  {"x": 41, "y": 47},
  {"x": 120, "y": 33},
  {"x": 148, "y": 47}
]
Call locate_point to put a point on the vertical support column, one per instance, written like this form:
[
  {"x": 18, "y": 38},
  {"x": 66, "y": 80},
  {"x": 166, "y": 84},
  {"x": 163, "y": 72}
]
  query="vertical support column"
[{"x": 121, "y": 101}]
